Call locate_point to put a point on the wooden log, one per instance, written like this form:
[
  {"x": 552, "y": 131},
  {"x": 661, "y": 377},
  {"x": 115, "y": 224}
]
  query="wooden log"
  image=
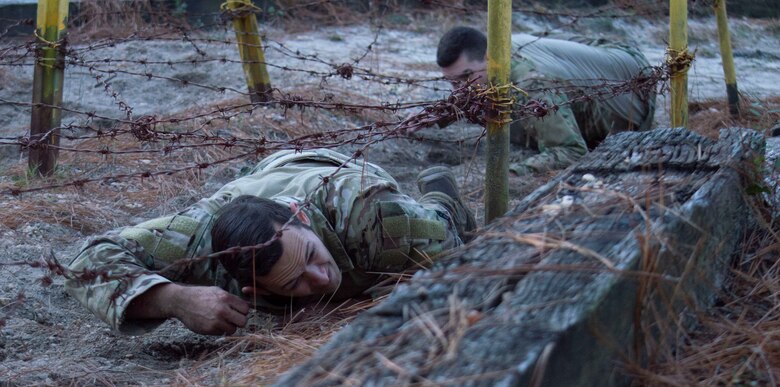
[{"x": 592, "y": 270}]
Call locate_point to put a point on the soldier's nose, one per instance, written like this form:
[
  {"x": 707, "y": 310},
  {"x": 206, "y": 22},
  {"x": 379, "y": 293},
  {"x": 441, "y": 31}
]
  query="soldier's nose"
[{"x": 318, "y": 275}]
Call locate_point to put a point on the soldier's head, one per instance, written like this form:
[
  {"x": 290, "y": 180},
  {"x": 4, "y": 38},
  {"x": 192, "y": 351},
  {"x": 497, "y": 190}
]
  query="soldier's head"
[
  {"x": 461, "y": 55},
  {"x": 297, "y": 264}
]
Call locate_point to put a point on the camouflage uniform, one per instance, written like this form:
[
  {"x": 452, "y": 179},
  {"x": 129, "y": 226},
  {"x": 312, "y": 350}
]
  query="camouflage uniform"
[
  {"x": 365, "y": 223},
  {"x": 563, "y": 136}
]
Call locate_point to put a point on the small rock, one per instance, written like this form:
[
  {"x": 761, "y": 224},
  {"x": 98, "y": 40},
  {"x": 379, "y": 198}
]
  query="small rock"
[{"x": 551, "y": 209}]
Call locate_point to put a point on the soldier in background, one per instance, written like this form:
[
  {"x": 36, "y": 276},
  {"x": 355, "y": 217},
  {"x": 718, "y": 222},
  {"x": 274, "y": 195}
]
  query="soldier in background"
[
  {"x": 553, "y": 71},
  {"x": 335, "y": 238}
]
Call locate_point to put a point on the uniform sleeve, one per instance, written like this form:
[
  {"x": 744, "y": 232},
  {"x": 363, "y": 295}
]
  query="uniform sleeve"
[
  {"x": 127, "y": 274},
  {"x": 557, "y": 135},
  {"x": 393, "y": 232},
  {"x": 112, "y": 270}
]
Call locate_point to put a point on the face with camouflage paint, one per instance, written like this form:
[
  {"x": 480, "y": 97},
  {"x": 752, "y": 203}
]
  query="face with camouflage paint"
[{"x": 306, "y": 267}]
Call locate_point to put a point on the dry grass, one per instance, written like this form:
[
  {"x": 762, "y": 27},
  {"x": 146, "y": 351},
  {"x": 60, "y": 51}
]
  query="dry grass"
[
  {"x": 319, "y": 13},
  {"x": 100, "y": 19},
  {"x": 709, "y": 116},
  {"x": 735, "y": 344},
  {"x": 294, "y": 122},
  {"x": 738, "y": 342},
  {"x": 66, "y": 210},
  {"x": 289, "y": 341},
  {"x": 113, "y": 204}
]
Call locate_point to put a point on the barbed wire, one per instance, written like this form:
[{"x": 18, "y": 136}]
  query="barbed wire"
[
  {"x": 98, "y": 132},
  {"x": 467, "y": 102},
  {"x": 150, "y": 128}
]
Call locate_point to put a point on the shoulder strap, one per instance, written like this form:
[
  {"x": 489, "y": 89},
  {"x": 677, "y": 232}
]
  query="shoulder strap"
[{"x": 151, "y": 236}]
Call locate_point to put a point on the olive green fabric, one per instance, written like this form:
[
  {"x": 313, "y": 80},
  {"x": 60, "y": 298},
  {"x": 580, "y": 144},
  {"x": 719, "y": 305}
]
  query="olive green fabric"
[
  {"x": 566, "y": 73},
  {"x": 363, "y": 220}
]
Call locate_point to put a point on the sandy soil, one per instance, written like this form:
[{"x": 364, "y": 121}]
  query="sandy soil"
[{"x": 47, "y": 338}]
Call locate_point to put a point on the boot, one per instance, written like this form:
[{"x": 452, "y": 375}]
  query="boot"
[{"x": 435, "y": 181}]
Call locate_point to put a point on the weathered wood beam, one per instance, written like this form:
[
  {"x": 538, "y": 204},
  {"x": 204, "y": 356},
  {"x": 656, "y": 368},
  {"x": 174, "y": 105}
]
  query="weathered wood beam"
[{"x": 591, "y": 271}]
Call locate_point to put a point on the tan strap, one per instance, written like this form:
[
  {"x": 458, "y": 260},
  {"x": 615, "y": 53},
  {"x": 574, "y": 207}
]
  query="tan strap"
[
  {"x": 150, "y": 235},
  {"x": 414, "y": 228}
]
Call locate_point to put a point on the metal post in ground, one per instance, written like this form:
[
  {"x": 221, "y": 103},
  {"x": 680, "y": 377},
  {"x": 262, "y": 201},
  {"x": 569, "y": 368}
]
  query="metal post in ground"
[
  {"x": 732, "y": 93},
  {"x": 498, "y": 62},
  {"x": 250, "y": 47},
  {"x": 47, "y": 85},
  {"x": 679, "y": 61}
]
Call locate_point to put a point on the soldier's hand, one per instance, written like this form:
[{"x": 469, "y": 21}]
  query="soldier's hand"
[{"x": 210, "y": 310}]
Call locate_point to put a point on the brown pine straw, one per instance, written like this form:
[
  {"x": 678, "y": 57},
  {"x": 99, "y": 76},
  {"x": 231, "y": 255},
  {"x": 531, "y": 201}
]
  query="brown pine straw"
[
  {"x": 101, "y": 19},
  {"x": 738, "y": 342},
  {"x": 273, "y": 350},
  {"x": 109, "y": 207},
  {"x": 707, "y": 117}
]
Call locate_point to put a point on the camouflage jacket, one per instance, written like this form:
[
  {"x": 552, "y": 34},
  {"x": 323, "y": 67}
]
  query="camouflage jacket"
[
  {"x": 556, "y": 72},
  {"x": 366, "y": 224}
]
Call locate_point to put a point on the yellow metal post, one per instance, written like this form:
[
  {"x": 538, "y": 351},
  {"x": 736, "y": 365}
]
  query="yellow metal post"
[
  {"x": 498, "y": 63},
  {"x": 727, "y": 57},
  {"x": 250, "y": 48},
  {"x": 47, "y": 85},
  {"x": 679, "y": 61}
]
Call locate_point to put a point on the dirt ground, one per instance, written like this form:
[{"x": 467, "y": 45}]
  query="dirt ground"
[{"x": 46, "y": 338}]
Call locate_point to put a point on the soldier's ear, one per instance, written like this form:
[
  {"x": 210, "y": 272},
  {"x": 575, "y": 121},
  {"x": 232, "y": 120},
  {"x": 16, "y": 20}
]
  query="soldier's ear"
[{"x": 300, "y": 214}]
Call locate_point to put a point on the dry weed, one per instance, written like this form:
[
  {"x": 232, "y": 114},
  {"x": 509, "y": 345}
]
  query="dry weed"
[
  {"x": 100, "y": 19},
  {"x": 290, "y": 341},
  {"x": 709, "y": 116},
  {"x": 737, "y": 342}
]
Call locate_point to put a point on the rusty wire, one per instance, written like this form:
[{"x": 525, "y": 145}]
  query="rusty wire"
[{"x": 466, "y": 102}]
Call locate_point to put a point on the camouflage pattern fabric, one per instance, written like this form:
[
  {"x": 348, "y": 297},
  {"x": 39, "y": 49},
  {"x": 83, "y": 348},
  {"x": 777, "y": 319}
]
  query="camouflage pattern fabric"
[
  {"x": 565, "y": 66},
  {"x": 368, "y": 226}
]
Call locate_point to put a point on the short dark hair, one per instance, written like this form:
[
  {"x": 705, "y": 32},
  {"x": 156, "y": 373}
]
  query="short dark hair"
[
  {"x": 459, "y": 40},
  {"x": 249, "y": 221}
]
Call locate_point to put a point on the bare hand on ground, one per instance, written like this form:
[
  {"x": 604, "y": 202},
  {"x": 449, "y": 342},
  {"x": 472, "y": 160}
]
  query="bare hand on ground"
[
  {"x": 207, "y": 310},
  {"x": 210, "y": 310}
]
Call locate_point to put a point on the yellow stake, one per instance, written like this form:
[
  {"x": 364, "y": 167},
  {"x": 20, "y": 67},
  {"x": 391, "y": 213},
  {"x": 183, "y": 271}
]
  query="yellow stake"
[
  {"x": 498, "y": 68},
  {"x": 250, "y": 47},
  {"x": 679, "y": 61},
  {"x": 47, "y": 85},
  {"x": 732, "y": 92}
]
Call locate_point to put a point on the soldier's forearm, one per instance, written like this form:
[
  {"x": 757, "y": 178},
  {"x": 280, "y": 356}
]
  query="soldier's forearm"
[{"x": 159, "y": 302}]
